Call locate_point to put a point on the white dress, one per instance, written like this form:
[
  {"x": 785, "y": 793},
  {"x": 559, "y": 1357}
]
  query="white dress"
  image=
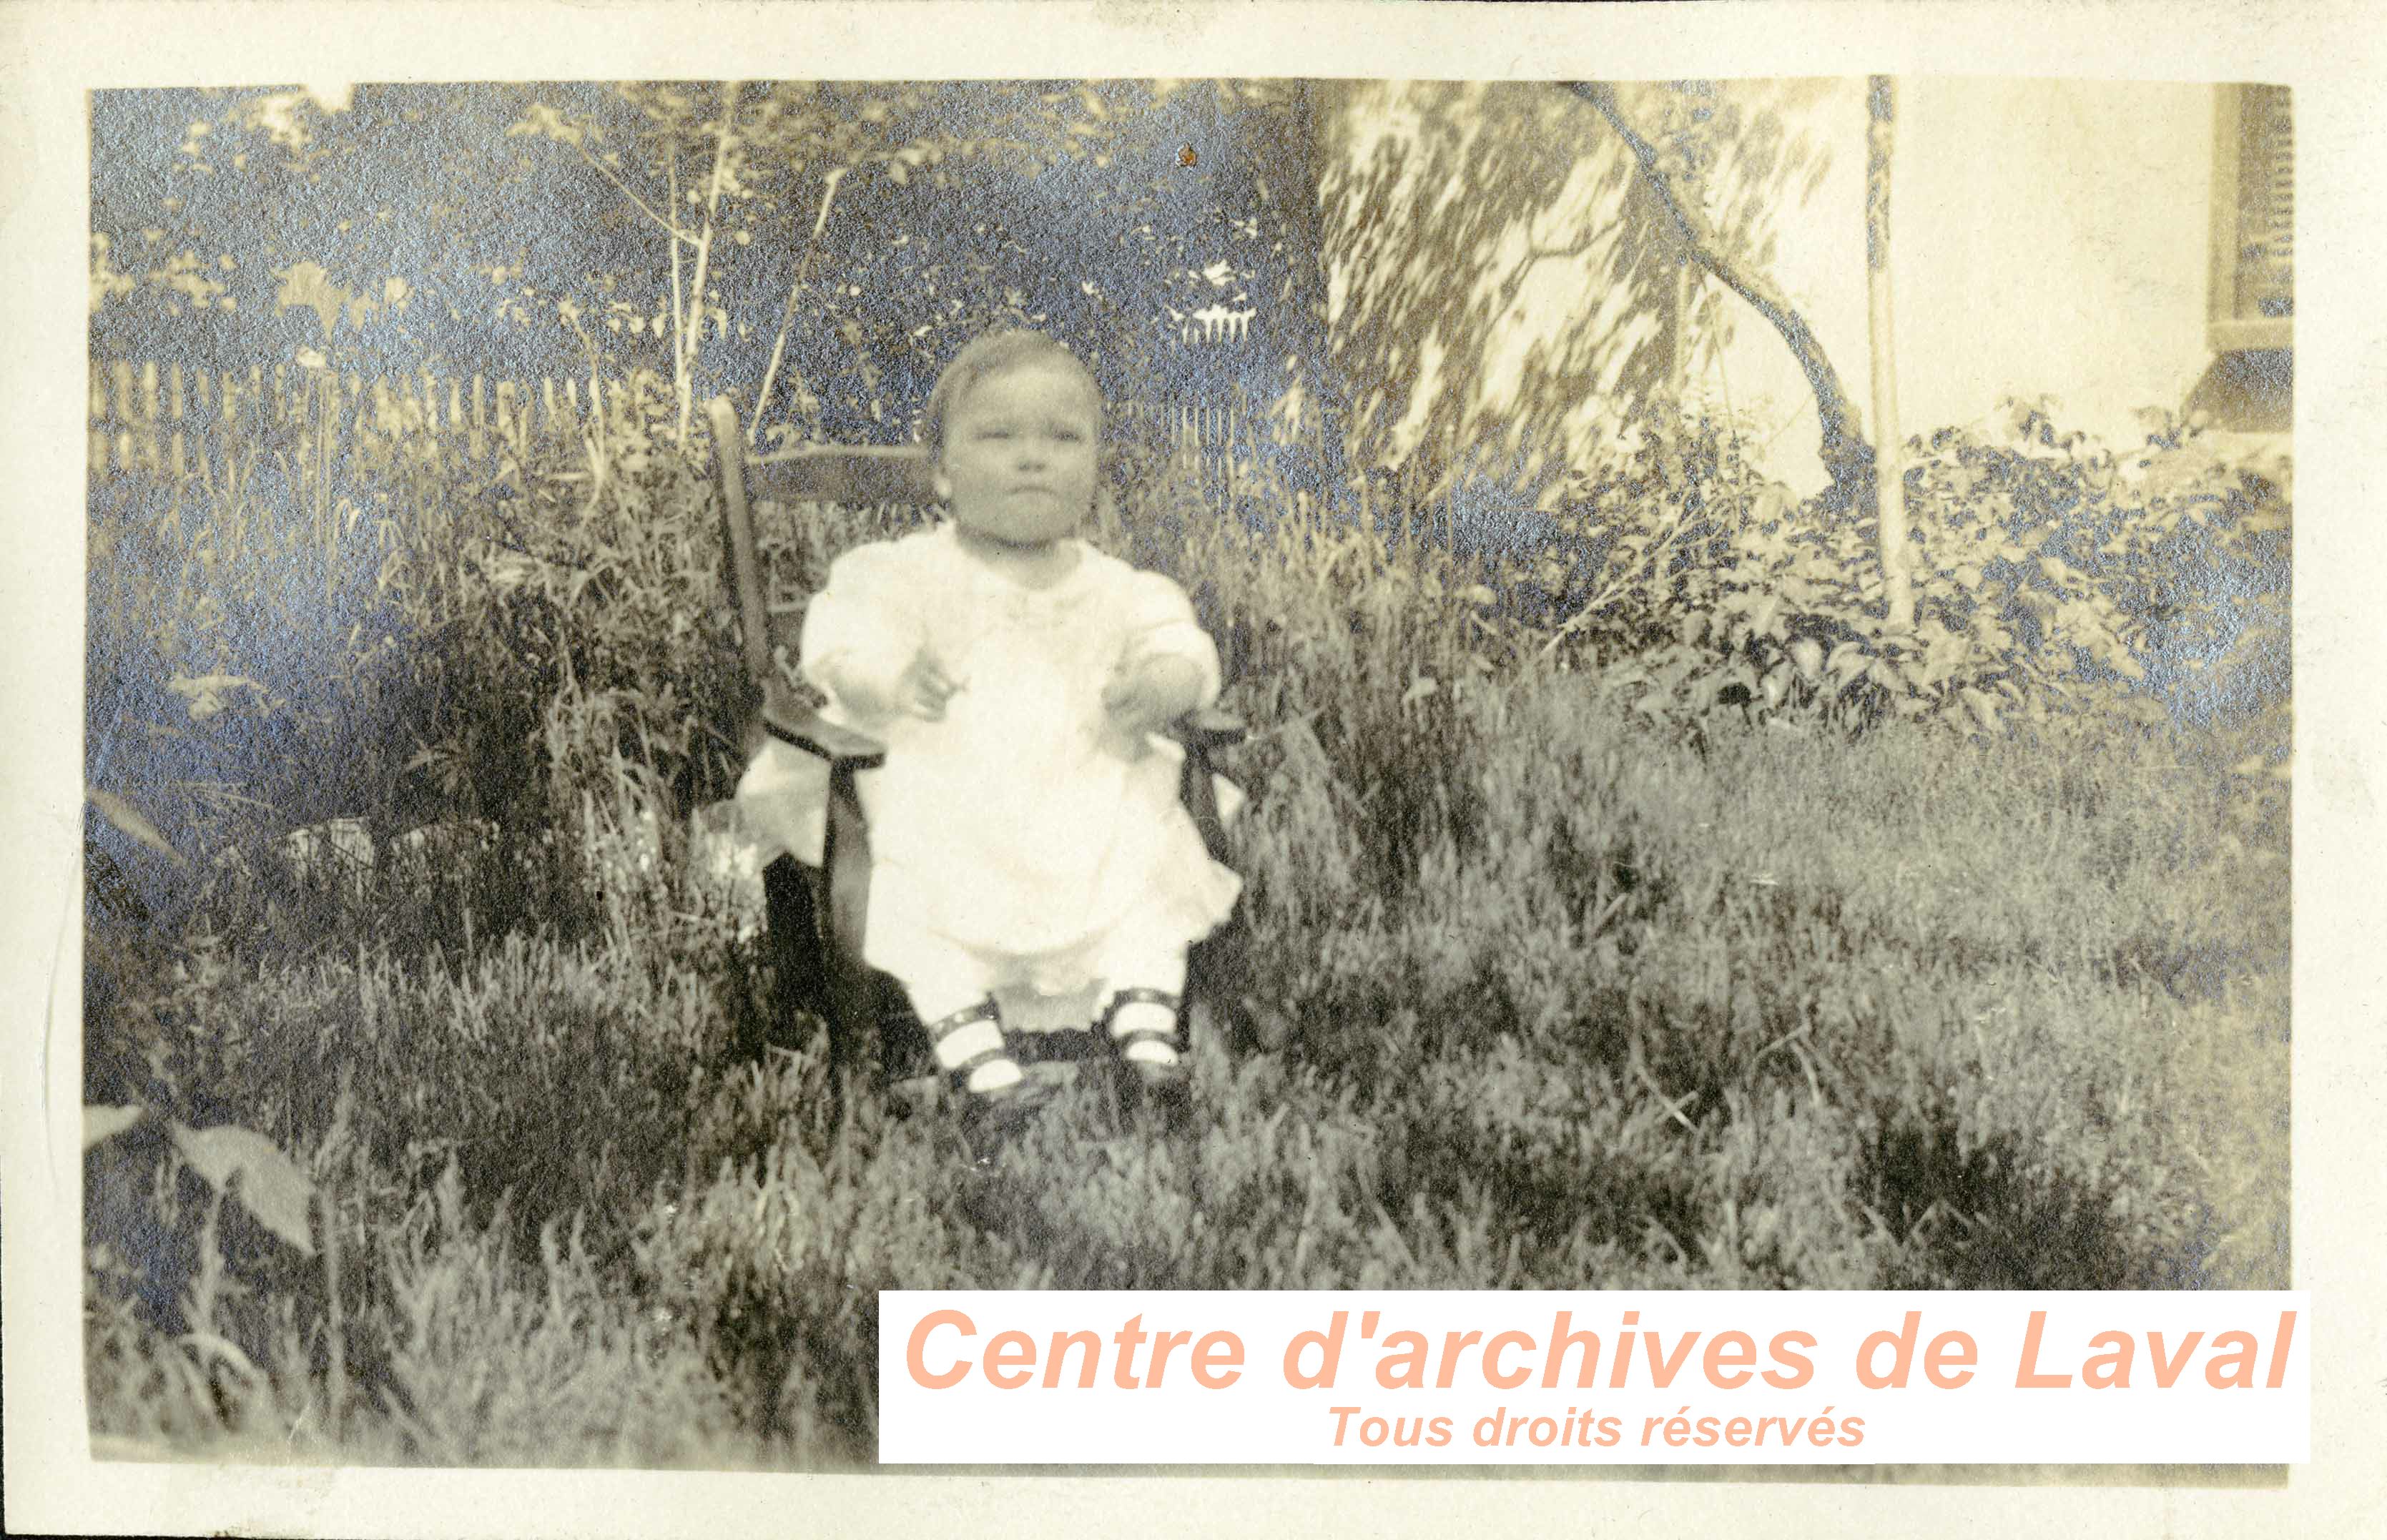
[{"x": 1020, "y": 843}]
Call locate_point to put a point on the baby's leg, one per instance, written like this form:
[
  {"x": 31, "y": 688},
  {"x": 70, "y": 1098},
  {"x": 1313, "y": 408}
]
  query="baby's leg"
[{"x": 967, "y": 1034}]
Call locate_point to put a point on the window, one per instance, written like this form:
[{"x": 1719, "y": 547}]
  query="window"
[{"x": 2252, "y": 301}]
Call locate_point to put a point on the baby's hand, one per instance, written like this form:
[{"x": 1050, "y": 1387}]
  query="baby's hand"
[
  {"x": 1147, "y": 694},
  {"x": 920, "y": 690},
  {"x": 924, "y": 689}
]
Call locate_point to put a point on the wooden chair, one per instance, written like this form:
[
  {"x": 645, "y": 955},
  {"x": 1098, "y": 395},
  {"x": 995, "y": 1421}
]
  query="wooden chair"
[{"x": 815, "y": 917}]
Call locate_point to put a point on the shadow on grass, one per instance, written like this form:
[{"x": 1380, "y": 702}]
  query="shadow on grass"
[{"x": 1972, "y": 1212}]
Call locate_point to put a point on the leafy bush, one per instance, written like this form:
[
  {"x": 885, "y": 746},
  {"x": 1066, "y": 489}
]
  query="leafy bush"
[{"x": 2051, "y": 578}]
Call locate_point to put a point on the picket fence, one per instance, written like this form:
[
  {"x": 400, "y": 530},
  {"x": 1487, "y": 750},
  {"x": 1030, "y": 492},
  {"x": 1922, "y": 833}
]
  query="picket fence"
[
  {"x": 175, "y": 422},
  {"x": 166, "y": 421}
]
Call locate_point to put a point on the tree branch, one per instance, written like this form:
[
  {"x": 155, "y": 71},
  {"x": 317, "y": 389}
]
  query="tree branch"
[
  {"x": 1846, "y": 455},
  {"x": 1515, "y": 282},
  {"x": 626, "y": 191},
  {"x": 788, "y": 314}
]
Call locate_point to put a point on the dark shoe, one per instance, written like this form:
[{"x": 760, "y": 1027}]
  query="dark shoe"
[
  {"x": 1167, "y": 1082},
  {"x": 1163, "y": 1080},
  {"x": 1004, "y": 1111},
  {"x": 999, "y": 1110}
]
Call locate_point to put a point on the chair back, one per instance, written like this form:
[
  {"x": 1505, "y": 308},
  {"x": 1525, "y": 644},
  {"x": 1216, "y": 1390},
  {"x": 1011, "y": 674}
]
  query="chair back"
[{"x": 854, "y": 475}]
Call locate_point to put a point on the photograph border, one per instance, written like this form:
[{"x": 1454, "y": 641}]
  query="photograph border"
[{"x": 54, "y": 53}]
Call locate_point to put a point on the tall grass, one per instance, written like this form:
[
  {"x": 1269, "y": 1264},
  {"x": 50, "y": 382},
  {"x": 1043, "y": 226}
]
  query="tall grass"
[{"x": 1537, "y": 991}]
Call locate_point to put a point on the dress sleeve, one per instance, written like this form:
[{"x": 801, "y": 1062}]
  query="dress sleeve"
[
  {"x": 1160, "y": 622},
  {"x": 862, "y": 627}
]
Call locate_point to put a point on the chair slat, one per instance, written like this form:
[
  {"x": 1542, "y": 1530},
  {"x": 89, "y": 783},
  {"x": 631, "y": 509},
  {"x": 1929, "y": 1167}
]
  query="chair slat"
[{"x": 858, "y": 477}]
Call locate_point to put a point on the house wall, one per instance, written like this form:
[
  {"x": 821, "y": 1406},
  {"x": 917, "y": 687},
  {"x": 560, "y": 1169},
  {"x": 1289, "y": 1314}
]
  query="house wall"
[{"x": 2047, "y": 237}]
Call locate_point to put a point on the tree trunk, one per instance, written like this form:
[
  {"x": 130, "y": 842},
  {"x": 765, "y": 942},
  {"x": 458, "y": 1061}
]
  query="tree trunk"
[
  {"x": 1846, "y": 456},
  {"x": 1890, "y": 479}
]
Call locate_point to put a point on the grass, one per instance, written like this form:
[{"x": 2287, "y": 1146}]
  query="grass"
[{"x": 1543, "y": 993}]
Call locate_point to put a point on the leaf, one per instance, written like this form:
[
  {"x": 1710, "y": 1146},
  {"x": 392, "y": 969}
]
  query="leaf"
[
  {"x": 101, "y": 1124},
  {"x": 271, "y": 1185},
  {"x": 306, "y": 286},
  {"x": 1420, "y": 687},
  {"x": 130, "y": 821},
  {"x": 208, "y": 693},
  {"x": 545, "y": 122}
]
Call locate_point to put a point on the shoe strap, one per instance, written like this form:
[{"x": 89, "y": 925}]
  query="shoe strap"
[
  {"x": 984, "y": 1011},
  {"x": 939, "y": 1031},
  {"x": 961, "y": 1072},
  {"x": 1138, "y": 995}
]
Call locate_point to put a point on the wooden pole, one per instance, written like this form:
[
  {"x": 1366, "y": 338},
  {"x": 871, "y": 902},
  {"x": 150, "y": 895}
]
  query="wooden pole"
[{"x": 1890, "y": 476}]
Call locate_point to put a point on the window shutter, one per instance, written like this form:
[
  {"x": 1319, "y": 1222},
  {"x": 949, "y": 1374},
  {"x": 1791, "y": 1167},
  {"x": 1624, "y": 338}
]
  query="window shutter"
[{"x": 2253, "y": 302}]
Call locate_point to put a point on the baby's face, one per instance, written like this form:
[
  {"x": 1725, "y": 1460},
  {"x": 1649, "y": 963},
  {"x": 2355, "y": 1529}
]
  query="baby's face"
[{"x": 1019, "y": 461}]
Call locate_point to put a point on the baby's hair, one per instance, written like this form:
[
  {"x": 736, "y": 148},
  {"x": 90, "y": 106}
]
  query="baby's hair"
[{"x": 997, "y": 353}]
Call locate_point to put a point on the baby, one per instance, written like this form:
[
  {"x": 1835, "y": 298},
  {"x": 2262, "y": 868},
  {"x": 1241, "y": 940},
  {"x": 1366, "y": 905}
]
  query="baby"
[{"x": 1026, "y": 839}]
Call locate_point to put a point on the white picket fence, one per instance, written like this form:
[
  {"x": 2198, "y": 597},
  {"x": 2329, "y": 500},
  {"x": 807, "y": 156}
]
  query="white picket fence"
[
  {"x": 173, "y": 421},
  {"x": 167, "y": 420}
]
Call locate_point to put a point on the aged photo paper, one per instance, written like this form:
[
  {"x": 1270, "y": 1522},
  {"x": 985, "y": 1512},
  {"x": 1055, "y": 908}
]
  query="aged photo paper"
[{"x": 2070, "y": 153}]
